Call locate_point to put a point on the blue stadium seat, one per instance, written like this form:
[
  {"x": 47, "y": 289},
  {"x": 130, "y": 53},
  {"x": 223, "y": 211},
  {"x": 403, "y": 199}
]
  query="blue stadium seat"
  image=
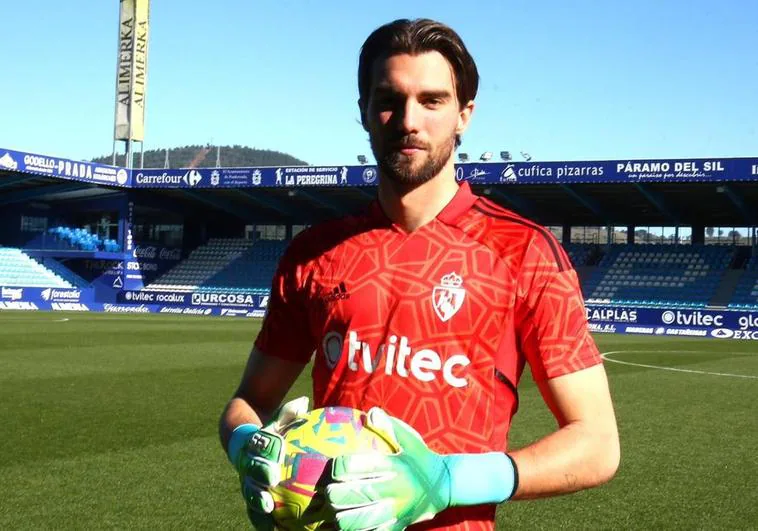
[
  {"x": 77, "y": 238},
  {"x": 19, "y": 269},
  {"x": 659, "y": 275},
  {"x": 226, "y": 265},
  {"x": 746, "y": 292}
]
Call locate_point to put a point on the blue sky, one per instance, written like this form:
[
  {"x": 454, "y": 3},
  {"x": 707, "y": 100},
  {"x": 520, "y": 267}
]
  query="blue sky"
[{"x": 561, "y": 80}]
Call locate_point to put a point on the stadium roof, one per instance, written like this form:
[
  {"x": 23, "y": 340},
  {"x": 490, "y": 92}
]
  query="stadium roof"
[{"x": 712, "y": 192}]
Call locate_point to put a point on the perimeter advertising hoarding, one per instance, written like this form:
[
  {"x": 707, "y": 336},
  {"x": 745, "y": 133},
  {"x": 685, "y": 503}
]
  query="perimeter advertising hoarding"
[
  {"x": 61, "y": 299},
  {"x": 691, "y": 170},
  {"x": 720, "y": 324},
  {"x": 86, "y": 300},
  {"x": 59, "y": 168},
  {"x": 495, "y": 173},
  {"x": 205, "y": 299}
]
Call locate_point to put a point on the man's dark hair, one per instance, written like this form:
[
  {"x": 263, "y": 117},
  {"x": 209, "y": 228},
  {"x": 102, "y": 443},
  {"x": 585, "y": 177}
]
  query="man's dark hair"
[{"x": 414, "y": 37}]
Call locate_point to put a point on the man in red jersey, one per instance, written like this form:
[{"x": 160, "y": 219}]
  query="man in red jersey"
[{"x": 424, "y": 310}]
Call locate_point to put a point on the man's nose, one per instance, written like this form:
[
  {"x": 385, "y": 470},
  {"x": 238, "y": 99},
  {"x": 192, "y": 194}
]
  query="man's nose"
[{"x": 410, "y": 117}]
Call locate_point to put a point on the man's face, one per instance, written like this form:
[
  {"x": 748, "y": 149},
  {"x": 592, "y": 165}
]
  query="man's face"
[{"x": 413, "y": 116}]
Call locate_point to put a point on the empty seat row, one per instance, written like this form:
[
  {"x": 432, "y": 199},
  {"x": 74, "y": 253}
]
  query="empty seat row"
[{"x": 19, "y": 269}]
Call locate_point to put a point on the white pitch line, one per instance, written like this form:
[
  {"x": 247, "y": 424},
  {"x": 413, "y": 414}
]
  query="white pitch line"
[
  {"x": 605, "y": 355},
  {"x": 27, "y": 320}
]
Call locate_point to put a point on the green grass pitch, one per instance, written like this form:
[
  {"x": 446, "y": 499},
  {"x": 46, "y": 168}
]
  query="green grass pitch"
[{"x": 109, "y": 421}]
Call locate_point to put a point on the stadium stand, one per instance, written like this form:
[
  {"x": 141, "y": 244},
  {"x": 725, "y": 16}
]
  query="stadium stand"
[
  {"x": 746, "y": 294},
  {"x": 251, "y": 272},
  {"x": 646, "y": 275},
  {"x": 659, "y": 275},
  {"x": 72, "y": 238},
  {"x": 19, "y": 269},
  {"x": 66, "y": 239},
  {"x": 580, "y": 253},
  {"x": 222, "y": 264}
]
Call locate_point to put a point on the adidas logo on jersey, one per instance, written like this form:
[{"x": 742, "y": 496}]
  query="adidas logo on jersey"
[
  {"x": 424, "y": 365},
  {"x": 338, "y": 293}
]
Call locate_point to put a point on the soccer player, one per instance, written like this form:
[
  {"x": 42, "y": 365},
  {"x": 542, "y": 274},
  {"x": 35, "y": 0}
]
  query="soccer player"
[{"x": 424, "y": 310}]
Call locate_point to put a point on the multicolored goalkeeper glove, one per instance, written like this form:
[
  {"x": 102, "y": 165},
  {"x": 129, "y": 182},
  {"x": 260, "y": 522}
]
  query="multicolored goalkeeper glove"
[
  {"x": 386, "y": 492},
  {"x": 257, "y": 454}
]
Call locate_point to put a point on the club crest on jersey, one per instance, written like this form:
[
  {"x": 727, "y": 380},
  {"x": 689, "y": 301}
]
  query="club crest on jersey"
[{"x": 447, "y": 298}]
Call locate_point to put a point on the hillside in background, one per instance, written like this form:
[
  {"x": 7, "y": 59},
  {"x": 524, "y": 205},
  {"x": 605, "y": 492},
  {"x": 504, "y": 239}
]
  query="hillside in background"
[{"x": 205, "y": 157}]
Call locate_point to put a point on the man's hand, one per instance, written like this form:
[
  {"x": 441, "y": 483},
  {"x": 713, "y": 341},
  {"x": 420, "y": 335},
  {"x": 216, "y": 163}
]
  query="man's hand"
[
  {"x": 389, "y": 491},
  {"x": 257, "y": 454}
]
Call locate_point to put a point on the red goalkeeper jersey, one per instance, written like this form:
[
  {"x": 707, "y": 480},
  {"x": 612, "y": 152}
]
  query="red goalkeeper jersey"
[{"x": 434, "y": 326}]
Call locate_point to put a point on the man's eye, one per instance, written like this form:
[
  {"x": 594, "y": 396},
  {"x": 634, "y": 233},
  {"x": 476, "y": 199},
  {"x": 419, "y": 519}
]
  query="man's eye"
[
  {"x": 384, "y": 102},
  {"x": 433, "y": 102}
]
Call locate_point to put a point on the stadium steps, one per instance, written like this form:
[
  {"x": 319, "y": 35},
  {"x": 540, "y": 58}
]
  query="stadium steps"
[
  {"x": 62, "y": 271},
  {"x": 725, "y": 291},
  {"x": 251, "y": 272},
  {"x": 741, "y": 257},
  {"x": 202, "y": 264},
  {"x": 658, "y": 275},
  {"x": 19, "y": 269},
  {"x": 584, "y": 273},
  {"x": 746, "y": 295}
]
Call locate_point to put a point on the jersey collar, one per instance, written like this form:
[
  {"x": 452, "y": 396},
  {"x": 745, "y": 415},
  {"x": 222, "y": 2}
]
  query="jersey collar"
[{"x": 461, "y": 202}]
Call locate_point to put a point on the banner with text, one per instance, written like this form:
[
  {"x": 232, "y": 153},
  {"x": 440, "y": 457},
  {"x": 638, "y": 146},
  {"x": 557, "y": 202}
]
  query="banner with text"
[
  {"x": 512, "y": 173},
  {"x": 26, "y": 298},
  {"x": 196, "y": 299},
  {"x": 720, "y": 324},
  {"x": 72, "y": 170},
  {"x": 131, "y": 72},
  {"x": 145, "y": 263},
  {"x": 179, "y": 303},
  {"x": 481, "y": 173}
]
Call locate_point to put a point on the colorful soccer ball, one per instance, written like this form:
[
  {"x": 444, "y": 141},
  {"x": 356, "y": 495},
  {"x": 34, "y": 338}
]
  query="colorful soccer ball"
[{"x": 311, "y": 441}]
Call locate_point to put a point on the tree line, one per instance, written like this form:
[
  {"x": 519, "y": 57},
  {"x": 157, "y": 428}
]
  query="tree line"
[{"x": 198, "y": 156}]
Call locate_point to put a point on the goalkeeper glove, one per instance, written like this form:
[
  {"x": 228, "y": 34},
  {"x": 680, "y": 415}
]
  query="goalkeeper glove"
[
  {"x": 257, "y": 454},
  {"x": 394, "y": 491}
]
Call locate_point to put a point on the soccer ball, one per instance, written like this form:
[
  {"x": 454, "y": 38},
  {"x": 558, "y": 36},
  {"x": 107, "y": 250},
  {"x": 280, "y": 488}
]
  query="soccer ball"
[{"x": 311, "y": 441}]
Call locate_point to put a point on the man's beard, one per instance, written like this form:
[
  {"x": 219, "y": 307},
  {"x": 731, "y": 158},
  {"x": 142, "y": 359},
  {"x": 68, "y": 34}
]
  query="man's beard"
[{"x": 400, "y": 169}]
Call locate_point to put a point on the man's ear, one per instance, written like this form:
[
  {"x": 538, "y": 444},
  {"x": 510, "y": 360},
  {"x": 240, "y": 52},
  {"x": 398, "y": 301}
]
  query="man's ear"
[
  {"x": 362, "y": 109},
  {"x": 464, "y": 117}
]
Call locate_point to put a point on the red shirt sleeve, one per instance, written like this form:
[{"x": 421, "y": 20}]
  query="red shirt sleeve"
[
  {"x": 285, "y": 332},
  {"x": 550, "y": 316}
]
